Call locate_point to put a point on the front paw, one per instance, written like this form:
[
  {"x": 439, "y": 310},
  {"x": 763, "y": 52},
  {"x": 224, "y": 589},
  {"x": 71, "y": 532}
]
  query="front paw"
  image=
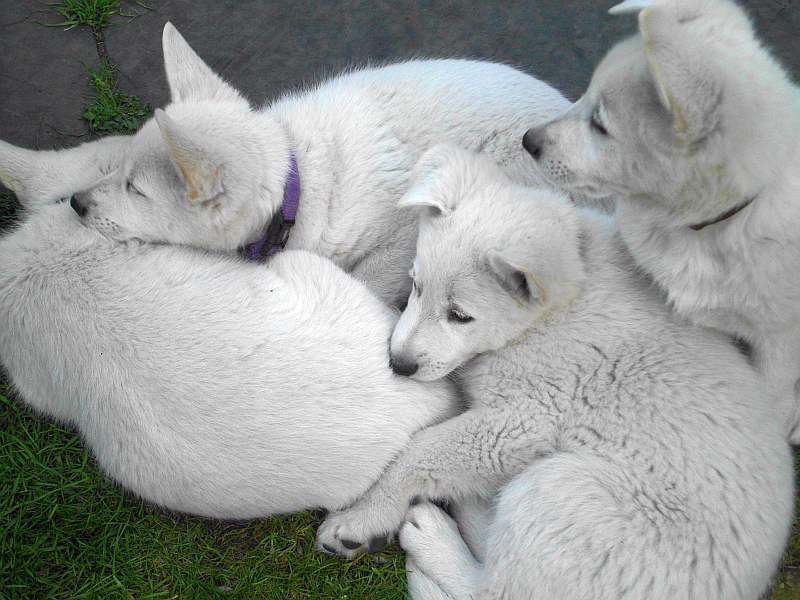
[{"x": 358, "y": 530}]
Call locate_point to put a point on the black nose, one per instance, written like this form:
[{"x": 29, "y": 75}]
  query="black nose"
[
  {"x": 403, "y": 366},
  {"x": 532, "y": 142},
  {"x": 78, "y": 207}
]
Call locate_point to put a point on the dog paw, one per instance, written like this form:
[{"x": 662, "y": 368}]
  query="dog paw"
[
  {"x": 434, "y": 545},
  {"x": 431, "y": 538},
  {"x": 428, "y": 529},
  {"x": 353, "y": 532}
]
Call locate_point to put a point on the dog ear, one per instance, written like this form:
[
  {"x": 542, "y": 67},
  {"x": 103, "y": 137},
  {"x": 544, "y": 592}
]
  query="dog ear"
[
  {"x": 203, "y": 177},
  {"x": 516, "y": 280},
  {"x": 686, "y": 87},
  {"x": 440, "y": 178},
  {"x": 629, "y": 6},
  {"x": 188, "y": 76},
  {"x": 427, "y": 195}
]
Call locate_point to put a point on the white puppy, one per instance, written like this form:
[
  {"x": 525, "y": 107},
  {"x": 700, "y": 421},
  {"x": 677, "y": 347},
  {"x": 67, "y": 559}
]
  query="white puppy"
[
  {"x": 203, "y": 383},
  {"x": 696, "y": 129},
  {"x": 634, "y": 456},
  {"x": 211, "y": 172}
]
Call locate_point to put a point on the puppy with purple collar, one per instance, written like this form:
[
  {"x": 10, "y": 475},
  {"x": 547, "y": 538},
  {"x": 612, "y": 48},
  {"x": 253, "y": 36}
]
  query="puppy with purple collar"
[{"x": 328, "y": 163}]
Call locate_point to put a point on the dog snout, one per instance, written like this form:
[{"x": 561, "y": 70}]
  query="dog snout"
[
  {"x": 533, "y": 142},
  {"x": 78, "y": 205},
  {"x": 403, "y": 365}
]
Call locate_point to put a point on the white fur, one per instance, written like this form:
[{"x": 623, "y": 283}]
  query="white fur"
[
  {"x": 629, "y": 6},
  {"x": 46, "y": 176},
  {"x": 701, "y": 118},
  {"x": 209, "y": 171},
  {"x": 204, "y": 383},
  {"x": 631, "y": 455}
]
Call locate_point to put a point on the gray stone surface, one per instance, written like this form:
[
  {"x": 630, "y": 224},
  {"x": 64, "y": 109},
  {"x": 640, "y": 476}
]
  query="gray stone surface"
[{"x": 267, "y": 47}]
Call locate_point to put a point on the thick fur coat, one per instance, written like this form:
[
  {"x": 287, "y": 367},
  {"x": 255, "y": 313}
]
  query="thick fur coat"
[
  {"x": 203, "y": 383},
  {"x": 209, "y": 171},
  {"x": 695, "y": 128},
  {"x": 631, "y": 455}
]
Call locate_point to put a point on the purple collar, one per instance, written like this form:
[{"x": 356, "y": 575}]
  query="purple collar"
[{"x": 276, "y": 233}]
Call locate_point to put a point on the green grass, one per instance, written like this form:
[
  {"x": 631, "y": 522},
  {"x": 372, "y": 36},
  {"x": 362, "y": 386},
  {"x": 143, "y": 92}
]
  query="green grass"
[
  {"x": 66, "y": 531},
  {"x": 787, "y": 585},
  {"x": 95, "y": 14},
  {"x": 111, "y": 110}
]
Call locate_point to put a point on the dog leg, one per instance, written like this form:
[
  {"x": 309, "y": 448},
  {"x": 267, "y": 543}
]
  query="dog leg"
[
  {"x": 422, "y": 587},
  {"x": 779, "y": 361},
  {"x": 473, "y": 516},
  {"x": 471, "y": 454}
]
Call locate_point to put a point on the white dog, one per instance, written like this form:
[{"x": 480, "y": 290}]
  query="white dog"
[
  {"x": 204, "y": 383},
  {"x": 210, "y": 172},
  {"x": 696, "y": 129},
  {"x": 635, "y": 456}
]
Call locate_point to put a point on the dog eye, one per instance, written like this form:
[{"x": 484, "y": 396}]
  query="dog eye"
[
  {"x": 597, "y": 126},
  {"x": 456, "y": 316},
  {"x": 132, "y": 188}
]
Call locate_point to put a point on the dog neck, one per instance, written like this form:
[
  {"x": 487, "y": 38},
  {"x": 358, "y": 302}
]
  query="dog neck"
[
  {"x": 276, "y": 232},
  {"x": 724, "y": 216}
]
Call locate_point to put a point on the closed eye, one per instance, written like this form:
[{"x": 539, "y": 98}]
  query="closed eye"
[
  {"x": 132, "y": 189},
  {"x": 455, "y": 315},
  {"x": 597, "y": 125}
]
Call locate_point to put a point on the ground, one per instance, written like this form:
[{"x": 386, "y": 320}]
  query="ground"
[
  {"x": 80, "y": 68},
  {"x": 66, "y": 531}
]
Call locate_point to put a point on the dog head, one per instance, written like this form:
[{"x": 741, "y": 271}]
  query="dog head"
[
  {"x": 207, "y": 171},
  {"x": 681, "y": 116},
  {"x": 490, "y": 262}
]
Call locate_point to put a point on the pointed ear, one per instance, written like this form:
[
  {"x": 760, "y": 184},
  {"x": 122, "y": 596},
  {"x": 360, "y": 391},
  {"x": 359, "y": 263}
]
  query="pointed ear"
[
  {"x": 687, "y": 88},
  {"x": 426, "y": 194},
  {"x": 629, "y": 6},
  {"x": 439, "y": 179},
  {"x": 516, "y": 280},
  {"x": 188, "y": 76},
  {"x": 202, "y": 176}
]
